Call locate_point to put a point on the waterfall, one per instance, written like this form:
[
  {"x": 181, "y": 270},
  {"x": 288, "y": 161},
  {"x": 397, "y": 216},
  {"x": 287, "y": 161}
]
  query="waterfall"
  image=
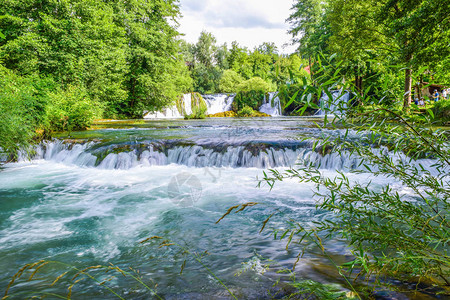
[
  {"x": 271, "y": 105},
  {"x": 218, "y": 103},
  {"x": 340, "y": 101},
  {"x": 186, "y": 105},
  {"x": 234, "y": 156},
  {"x": 247, "y": 155},
  {"x": 173, "y": 112},
  {"x": 215, "y": 104}
]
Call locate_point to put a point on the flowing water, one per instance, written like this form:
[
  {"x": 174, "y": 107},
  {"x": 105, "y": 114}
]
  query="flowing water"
[{"x": 90, "y": 198}]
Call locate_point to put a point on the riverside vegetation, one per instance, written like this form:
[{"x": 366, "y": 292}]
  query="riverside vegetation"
[{"x": 392, "y": 233}]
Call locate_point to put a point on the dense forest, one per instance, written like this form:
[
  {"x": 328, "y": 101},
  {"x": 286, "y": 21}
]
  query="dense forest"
[{"x": 391, "y": 41}]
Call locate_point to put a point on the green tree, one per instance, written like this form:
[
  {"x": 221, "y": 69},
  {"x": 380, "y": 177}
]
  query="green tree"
[
  {"x": 221, "y": 57},
  {"x": 261, "y": 64},
  {"x": 230, "y": 81},
  {"x": 239, "y": 60},
  {"x": 205, "y": 49},
  {"x": 74, "y": 42},
  {"x": 117, "y": 50},
  {"x": 152, "y": 53},
  {"x": 420, "y": 29},
  {"x": 309, "y": 28},
  {"x": 254, "y": 84}
]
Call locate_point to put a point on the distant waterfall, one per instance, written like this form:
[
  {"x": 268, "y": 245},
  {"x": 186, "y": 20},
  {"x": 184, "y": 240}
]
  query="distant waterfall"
[
  {"x": 340, "y": 101},
  {"x": 271, "y": 105},
  {"x": 218, "y": 103},
  {"x": 215, "y": 104}
]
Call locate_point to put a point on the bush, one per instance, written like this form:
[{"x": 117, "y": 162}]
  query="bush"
[
  {"x": 285, "y": 94},
  {"x": 230, "y": 81},
  {"x": 253, "y": 99},
  {"x": 32, "y": 107},
  {"x": 225, "y": 114},
  {"x": 246, "y": 111},
  {"x": 22, "y": 110},
  {"x": 251, "y": 93},
  {"x": 72, "y": 109},
  {"x": 197, "y": 113},
  {"x": 441, "y": 111},
  {"x": 398, "y": 228},
  {"x": 254, "y": 84},
  {"x": 390, "y": 233}
]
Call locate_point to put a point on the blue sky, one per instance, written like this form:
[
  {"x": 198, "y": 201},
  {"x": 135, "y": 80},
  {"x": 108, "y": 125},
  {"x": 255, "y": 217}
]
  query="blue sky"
[{"x": 249, "y": 22}]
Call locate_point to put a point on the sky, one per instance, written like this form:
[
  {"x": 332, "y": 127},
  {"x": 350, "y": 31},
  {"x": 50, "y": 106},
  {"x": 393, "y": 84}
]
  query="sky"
[{"x": 249, "y": 22}]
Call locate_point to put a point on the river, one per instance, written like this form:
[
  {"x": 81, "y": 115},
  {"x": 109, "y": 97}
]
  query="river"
[{"x": 90, "y": 198}]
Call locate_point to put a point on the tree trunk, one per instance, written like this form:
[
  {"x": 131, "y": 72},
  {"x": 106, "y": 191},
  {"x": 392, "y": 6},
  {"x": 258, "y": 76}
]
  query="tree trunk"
[
  {"x": 358, "y": 81},
  {"x": 358, "y": 84},
  {"x": 408, "y": 85}
]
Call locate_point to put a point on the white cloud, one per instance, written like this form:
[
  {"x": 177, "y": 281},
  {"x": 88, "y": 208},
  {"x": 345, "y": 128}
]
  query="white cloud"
[{"x": 249, "y": 22}]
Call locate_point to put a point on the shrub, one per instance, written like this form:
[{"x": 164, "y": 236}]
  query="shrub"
[
  {"x": 197, "y": 113},
  {"x": 285, "y": 94},
  {"x": 246, "y": 111},
  {"x": 254, "y": 84},
  {"x": 225, "y": 114},
  {"x": 441, "y": 111},
  {"x": 72, "y": 109},
  {"x": 22, "y": 110},
  {"x": 396, "y": 229},
  {"x": 251, "y": 93},
  {"x": 253, "y": 99}
]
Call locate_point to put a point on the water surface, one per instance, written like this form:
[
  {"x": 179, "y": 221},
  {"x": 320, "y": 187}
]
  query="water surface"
[{"x": 91, "y": 197}]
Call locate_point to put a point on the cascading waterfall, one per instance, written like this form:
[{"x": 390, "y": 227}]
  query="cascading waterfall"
[
  {"x": 215, "y": 104},
  {"x": 271, "y": 105},
  {"x": 218, "y": 103},
  {"x": 159, "y": 154},
  {"x": 234, "y": 156}
]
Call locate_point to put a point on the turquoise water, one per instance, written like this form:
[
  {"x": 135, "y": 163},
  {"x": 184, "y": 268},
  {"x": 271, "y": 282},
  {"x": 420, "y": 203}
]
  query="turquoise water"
[{"x": 92, "y": 199}]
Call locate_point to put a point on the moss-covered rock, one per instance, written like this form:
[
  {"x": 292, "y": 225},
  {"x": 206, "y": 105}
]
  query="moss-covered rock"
[
  {"x": 197, "y": 102},
  {"x": 198, "y": 106},
  {"x": 225, "y": 114},
  {"x": 258, "y": 114}
]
